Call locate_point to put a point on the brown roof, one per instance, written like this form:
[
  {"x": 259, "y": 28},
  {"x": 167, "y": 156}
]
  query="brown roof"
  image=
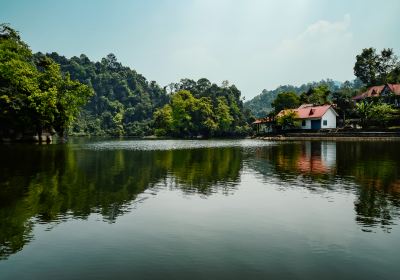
[
  {"x": 395, "y": 88},
  {"x": 377, "y": 90}
]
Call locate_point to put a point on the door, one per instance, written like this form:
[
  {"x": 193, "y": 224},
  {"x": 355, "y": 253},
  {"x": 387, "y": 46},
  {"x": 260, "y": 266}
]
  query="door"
[{"x": 315, "y": 124}]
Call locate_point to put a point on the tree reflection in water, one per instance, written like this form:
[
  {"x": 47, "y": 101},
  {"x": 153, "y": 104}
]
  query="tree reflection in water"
[
  {"x": 371, "y": 170},
  {"x": 51, "y": 184}
]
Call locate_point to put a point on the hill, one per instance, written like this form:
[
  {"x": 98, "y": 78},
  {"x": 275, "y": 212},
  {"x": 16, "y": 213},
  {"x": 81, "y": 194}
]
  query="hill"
[{"x": 123, "y": 102}]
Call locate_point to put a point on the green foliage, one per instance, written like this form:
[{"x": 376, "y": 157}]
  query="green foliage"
[
  {"x": 124, "y": 101},
  {"x": 374, "y": 114},
  {"x": 223, "y": 116},
  {"x": 286, "y": 100},
  {"x": 34, "y": 95},
  {"x": 202, "y": 109},
  {"x": 288, "y": 120},
  {"x": 316, "y": 95},
  {"x": 68, "y": 182},
  {"x": 163, "y": 120},
  {"x": 342, "y": 99},
  {"x": 374, "y": 69}
]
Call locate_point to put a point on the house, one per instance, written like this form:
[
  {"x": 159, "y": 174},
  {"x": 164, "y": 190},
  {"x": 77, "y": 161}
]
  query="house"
[
  {"x": 314, "y": 117},
  {"x": 390, "y": 94}
]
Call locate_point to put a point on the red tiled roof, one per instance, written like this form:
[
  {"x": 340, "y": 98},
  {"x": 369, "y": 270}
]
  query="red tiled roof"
[
  {"x": 395, "y": 88},
  {"x": 308, "y": 111},
  {"x": 377, "y": 90},
  {"x": 312, "y": 111}
]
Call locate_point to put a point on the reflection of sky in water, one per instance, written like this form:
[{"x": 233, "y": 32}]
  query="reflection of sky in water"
[{"x": 157, "y": 145}]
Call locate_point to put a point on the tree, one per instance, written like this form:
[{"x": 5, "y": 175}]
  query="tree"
[
  {"x": 378, "y": 114},
  {"x": 223, "y": 115},
  {"x": 124, "y": 101},
  {"x": 388, "y": 62},
  {"x": 163, "y": 120},
  {"x": 205, "y": 110},
  {"x": 288, "y": 120},
  {"x": 316, "y": 95},
  {"x": 204, "y": 117},
  {"x": 183, "y": 106},
  {"x": 34, "y": 95},
  {"x": 373, "y": 69},
  {"x": 286, "y": 100},
  {"x": 342, "y": 99}
]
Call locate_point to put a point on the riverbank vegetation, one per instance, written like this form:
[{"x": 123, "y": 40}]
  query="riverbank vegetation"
[{"x": 34, "y": 95}]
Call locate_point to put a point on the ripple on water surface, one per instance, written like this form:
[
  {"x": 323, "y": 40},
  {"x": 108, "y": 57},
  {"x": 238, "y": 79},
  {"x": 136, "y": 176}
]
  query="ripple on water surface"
[{"x": 160, "y": 145}]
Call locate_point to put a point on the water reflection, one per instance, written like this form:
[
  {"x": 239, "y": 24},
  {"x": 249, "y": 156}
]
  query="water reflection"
[
  {"x": 50, "y": 184},
  {"x": 370, "y": 170},
  {"x": 375, "y": 168}
]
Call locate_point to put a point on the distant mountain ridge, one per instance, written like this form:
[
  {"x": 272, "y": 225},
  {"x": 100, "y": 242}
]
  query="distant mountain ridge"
[{"x": 260, "y": 105}]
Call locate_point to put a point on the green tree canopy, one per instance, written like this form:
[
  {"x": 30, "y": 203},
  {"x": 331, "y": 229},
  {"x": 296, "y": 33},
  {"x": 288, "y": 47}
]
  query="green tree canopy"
[
  {"x": 202, "y": 108},
  {"x": 374, "y": 68},
  {"x": 289, "y": 119},
  {"x": 286, "y": 100},
  {"x": 316, "y": 95},
  {"x": 374, "y": 114},
  {"x": 123, "y": 102},
  {"x": 34, "y": 95}
]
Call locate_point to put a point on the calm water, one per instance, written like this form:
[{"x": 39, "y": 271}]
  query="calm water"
[{"x": 240, "y": 209}]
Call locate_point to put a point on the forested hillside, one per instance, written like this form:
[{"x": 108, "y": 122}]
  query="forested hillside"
[
  {"x": 123, "y": 102},
  {"x": 261, "y": 105}
]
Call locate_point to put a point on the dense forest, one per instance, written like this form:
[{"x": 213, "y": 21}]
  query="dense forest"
[
  {"x": 123, "y": 102},
  {"x": 52, "y": 93}
]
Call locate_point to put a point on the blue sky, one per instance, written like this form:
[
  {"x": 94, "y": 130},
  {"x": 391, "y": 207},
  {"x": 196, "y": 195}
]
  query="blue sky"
[{"x": 255, "y": 44}]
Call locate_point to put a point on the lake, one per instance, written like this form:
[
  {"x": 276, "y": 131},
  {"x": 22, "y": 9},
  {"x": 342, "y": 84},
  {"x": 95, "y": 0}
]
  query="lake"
[{"x": 200, "y": 209}]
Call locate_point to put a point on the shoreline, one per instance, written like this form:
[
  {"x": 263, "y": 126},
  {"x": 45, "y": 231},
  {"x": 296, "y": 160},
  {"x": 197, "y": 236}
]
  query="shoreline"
[{"x": 334, "y": 136}]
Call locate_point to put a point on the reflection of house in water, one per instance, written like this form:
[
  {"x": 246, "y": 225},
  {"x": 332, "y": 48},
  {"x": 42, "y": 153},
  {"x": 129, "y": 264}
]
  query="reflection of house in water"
[{"x": 317, "y": 157}]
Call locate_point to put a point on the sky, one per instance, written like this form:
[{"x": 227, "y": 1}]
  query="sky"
[{"x": 254, "y": 44}]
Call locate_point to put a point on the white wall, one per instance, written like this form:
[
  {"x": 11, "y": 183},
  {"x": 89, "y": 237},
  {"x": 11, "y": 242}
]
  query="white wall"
[
  {"x": 330, "y": 117},
  {"x": 307, "y": 126},
  {"x": 328, "y": 154}
]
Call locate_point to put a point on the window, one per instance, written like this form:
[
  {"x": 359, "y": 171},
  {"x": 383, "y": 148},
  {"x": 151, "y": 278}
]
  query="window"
[
  {"x": 325, "y": 122},
  {"x": 303, "y": 123}
]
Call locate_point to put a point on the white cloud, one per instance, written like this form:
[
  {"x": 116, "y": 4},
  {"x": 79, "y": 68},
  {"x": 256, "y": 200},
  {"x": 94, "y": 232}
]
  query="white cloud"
[
  {"x": 323, "y": 50},
  {"x": 321, "y": 33}
]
